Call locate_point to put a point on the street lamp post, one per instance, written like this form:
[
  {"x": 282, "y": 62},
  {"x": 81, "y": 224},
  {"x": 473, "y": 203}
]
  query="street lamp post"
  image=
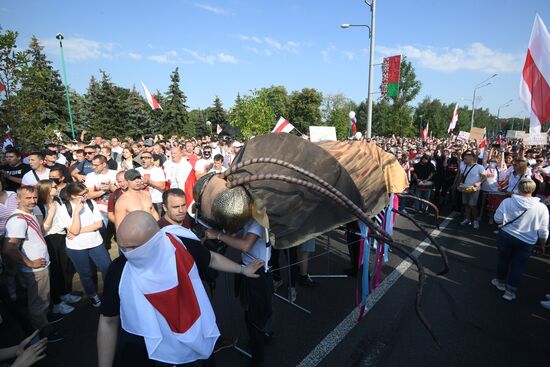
[
  {"x": 504, "y": 105},
  {"x": 60, "y": 37},
  {"x": 372, "y": 28},
  {"x": 474, "y": 99}
]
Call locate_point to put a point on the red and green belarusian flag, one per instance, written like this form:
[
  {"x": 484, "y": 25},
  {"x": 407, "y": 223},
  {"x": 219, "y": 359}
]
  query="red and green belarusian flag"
[{"x": 391, "y": 72}]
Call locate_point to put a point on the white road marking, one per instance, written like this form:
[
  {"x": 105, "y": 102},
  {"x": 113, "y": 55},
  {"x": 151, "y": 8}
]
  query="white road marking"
[{"x": 330, "y": 341}]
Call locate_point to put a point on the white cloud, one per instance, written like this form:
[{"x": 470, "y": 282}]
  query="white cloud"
[
  {"x": 80, "y": 49},
  {"x": 226, "y": 58},
  {"x": 220, "y": 57},
  {"x": 134, "y": 55},
  {"x": 168, "y": 57},
  {"x": 271, "y": 45},
  {"x": 213, "y": 9},
  {"x": 349, "y": 55},
  {"x": 327, "y": 52},
  {"x": 477, "y": 57}
]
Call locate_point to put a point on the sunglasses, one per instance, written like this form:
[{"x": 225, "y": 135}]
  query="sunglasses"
[
  {"x": 88, "y": 153},
  {"x": 146, "y": 157}
]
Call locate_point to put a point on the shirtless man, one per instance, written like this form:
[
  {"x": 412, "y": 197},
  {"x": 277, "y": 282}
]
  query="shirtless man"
[{"x": 134, "y": 199}]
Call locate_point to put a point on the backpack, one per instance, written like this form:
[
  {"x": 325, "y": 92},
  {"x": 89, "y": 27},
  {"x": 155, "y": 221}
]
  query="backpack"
[{"x": 70, "y": 208}]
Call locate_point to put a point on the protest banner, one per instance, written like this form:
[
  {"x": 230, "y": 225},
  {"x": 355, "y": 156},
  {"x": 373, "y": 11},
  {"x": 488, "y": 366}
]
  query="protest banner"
[
  {"x": 536, "y": 139},
  {"x": 463, "y": 136},
  {"x": 322, "y": 133},
  {"x": 477, "y": 134}
]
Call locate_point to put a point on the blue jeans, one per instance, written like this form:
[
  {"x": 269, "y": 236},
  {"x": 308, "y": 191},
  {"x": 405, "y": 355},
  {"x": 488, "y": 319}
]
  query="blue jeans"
[
  {"x": 81, "y": 262},
  {"x": 422, "y": 194},
  {"x": 512, "y": 259}
]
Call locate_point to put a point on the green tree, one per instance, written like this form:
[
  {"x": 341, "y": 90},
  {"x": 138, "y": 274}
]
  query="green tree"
[
  {"x": 40, "y": 101},
  {"x": 138, "y": 119},
  {"x": 174, "y": 116},
  {"x": 305, "y": 108},
  {"x": 253, "y": 115},
  {"x": 278, "y": 99},
  {"x": 216, "y": 114}
]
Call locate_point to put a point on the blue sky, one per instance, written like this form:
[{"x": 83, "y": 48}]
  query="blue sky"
[{"x": 226, "y": 47}]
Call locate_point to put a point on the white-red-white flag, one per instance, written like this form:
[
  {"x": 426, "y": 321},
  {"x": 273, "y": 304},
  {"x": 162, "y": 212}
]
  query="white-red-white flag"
[
  {"x": 534, "y": 90},
  {"x": 151, "y": 98},
  {"x": 283, "y": 126},
  {"x": 484, "y": 143},
  {"x": 353, "y": 122},
  {"x": 424, "y": 132},
  {"x": 218, "y": 129},
  {"x": 454, "y": 119}
]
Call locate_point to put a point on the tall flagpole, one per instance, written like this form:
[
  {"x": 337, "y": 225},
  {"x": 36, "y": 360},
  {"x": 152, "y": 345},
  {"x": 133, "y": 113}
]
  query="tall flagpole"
[{"x": 60, "y": 37}]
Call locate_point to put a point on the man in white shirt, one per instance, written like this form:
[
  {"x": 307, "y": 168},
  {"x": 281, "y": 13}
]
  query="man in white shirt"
[
  {"x": 204, "y": 164},
  {"x": 38, "y": 171},
  {"x": 218, "y": 164},
  {"x": 25, "y": 246},
  {"x": 471, "y": 175},
  {"x": 115, "y": 147},
  {"x": 516, "y": 173},
  {"x": 153, "y": 179},
  {"x": 179, "y": 173}
]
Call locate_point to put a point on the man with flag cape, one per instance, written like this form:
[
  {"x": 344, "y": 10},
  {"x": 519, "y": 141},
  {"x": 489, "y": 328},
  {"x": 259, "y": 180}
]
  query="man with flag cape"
[{"x": 154, "y": 291}]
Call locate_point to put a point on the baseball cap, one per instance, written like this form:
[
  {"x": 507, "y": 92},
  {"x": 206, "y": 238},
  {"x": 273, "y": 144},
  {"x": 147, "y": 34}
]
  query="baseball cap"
[
  {"x": 132, "y": 174},
  {"x": 148, "y": 142}
]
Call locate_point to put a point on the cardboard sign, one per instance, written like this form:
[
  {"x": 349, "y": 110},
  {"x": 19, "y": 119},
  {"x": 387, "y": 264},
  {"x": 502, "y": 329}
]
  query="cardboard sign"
[
  {"x": 463, "y": 136},
  {"x": 322, "y": 133},
  {"x": 516, "y": 134},
  {"x": 477, "y": 133},
  {"x": 536, "y": 139}
]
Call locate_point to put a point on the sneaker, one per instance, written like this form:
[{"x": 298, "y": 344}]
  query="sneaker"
[
  {"x": 292, "y": 294},
  {"x": 306, "y": 281},
  {"x": 509, "y": 296},
  {"x": 55, "y": 317},
  {"x": 62, "y": 308},
  {"x": 225, "y": 342},
  {"x": 476, "y": 224},
  {"x": 498, "y": 284},
  {"x": 54, "y": 336},
  {"x": 96, "y": 302},
  {"x": 465, "y": 222},
  {"x": 545, "y": 304},
  {"x": 277, "y": 284},
  {"x": 71, "y": 298}
]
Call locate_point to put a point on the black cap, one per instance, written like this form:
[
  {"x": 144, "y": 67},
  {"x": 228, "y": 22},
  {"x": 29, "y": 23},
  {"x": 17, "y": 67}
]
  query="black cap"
[
  {"x": 148, "y": 142},
  {"x": 131, "y": 175}
]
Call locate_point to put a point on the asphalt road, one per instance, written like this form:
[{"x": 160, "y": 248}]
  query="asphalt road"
[{"x": 474, "y": 325}]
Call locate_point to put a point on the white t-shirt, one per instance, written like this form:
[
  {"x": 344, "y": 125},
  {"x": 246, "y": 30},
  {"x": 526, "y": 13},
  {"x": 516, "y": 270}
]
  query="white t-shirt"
[
  {"x": 177, "y": 173},
  {"x": 259, "y": 250},
  {"x": 513, "y": 180},
  {"x": 56, "y": 227},
  {"x": 474, "y": 174},
  {"x": 61, "y": 159},
  {"x": 221, "y": 170},
  {"x": 94, "y": 181},
  {"x": 84, "y": 240},
  {"x": 154, "y": 174},
  {"x": 29, "y": 179},
  {"x": 34, "y": 246},
  {"x": 494, "y": 175},
  {"x": 203, "y": 164}
]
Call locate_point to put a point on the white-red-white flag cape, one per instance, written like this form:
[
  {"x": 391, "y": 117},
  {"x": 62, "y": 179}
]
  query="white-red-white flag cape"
[
  {"x": 454, "y": 119},
  {"x": 283, "y": 126},
  {"x": 534, "y": 90},
  {"x": 424, "y": 132},
  {"x": 482, "y": 146},
  {"x": 151, "y": 98}
]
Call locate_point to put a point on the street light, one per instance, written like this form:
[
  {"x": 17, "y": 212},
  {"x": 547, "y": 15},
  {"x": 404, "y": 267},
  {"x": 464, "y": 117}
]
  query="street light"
[
  {"x": 60, "y": 37},
  {"x": 498, "y": 111},
  {"x": 372, "y": 6},
  {"x": 480, "y": 85}
]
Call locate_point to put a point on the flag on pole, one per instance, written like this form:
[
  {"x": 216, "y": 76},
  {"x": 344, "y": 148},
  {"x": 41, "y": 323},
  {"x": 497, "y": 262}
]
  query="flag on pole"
[
  {"x": 151, "y": 98},
  {"x": 424, "y": 132},
  {"x": 283, "y": 126},
  {"x": 391, "y": 73},
  {"x": 218, "y": 129},
  {"x": 499, "y": 139},
  {"x": 534, "y": 90},
  {"x": 353, "y": 123},
  {"x": 454, "y": 119},
  {"x": 482, "y": 146}
]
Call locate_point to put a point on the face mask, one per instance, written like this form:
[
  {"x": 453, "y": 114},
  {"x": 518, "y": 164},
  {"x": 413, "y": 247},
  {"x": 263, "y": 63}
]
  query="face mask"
[{"x": 56, "y": 180}]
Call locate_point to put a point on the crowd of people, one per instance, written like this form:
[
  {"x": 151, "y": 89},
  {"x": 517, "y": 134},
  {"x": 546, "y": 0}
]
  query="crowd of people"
[{"x": 62, "y": 207}]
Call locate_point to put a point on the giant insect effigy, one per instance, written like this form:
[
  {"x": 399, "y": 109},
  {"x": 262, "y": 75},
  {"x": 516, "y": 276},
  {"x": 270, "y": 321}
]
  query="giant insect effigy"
[{"x": 300, "y": 190}]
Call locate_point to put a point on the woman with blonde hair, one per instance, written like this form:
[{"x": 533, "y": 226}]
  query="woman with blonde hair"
[
  {"x": 61, "y": 271},
  {"x": 523, "y": 222}
]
